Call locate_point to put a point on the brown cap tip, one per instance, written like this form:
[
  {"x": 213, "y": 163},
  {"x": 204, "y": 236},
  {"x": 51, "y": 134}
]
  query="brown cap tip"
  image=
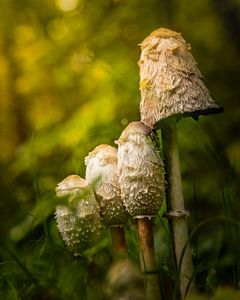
[{"x": 160, "y": 33}]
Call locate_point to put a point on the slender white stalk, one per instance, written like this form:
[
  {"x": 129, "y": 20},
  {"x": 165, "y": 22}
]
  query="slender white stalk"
[{"x": 178, "y": 222}]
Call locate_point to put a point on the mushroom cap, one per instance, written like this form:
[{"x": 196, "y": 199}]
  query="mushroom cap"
[
  {"x": 125, "y": 281},
  {"x": 141, "y": 171},
  {"x": 70, "y": 185},
  {"x": 170, "y": 81},
  {"x": 78, "y": 225},
  {"x": 134, "y": 127},
  {"x": 101, "y": 165}
]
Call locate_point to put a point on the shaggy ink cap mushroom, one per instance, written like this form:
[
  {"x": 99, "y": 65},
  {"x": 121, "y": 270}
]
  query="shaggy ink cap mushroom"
[
  {"x": 78, "y": 222},
  {"x": 141, "y": 172},
  {"x": 170, "y": 81},
  {"x": 101, "y": 167}
]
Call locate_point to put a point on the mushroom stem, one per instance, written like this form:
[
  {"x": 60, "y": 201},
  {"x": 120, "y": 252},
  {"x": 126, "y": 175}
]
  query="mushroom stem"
[
  {"x": 118, "y": 241},
  {"x": 147, "y": 258},
  {"x": 175, "y": 204}
]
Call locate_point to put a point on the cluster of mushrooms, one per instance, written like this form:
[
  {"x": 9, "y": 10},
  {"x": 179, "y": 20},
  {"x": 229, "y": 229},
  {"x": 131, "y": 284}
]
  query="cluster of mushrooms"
[{"x": 132, "y": 181}]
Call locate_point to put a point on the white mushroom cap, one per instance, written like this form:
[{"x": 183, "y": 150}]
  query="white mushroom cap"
[
  {"x": 70, "y": 185},
  {"x": 78, "y": 225},
  {"x": 101, "y": 165},
  {"x": 141, "y": 172},
  {"x": 170, "y": 81}
]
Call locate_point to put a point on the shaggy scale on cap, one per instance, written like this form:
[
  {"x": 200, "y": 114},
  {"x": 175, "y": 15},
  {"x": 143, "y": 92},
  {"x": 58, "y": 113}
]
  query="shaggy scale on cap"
[
  {"x": 79, "y": 222},
  {"x": 170, "y": 82},
  {"x": 141, "y": 172},
  {"x": 101, "y": 165}
]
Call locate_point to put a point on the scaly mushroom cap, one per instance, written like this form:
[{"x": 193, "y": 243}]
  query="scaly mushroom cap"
[
  {"x": 141, "y": 172},
  {"x": 101, "y": 165},
  {"x": 170, "y": 82},
  {"x": 79, "y": 222}
]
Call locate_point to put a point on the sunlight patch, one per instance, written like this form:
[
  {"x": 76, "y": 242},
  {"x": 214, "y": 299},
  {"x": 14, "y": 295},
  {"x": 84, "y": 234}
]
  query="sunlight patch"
[{"x": 67, "y": 5}]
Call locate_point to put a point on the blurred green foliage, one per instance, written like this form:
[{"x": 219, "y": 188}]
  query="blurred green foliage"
[{"x": 69, "y": 81}]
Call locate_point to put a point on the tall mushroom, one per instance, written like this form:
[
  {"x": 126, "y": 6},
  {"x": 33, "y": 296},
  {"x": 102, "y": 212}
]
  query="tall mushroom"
[
  {"x": 78, "y": 221},
  {"x": 101, "y": 166},
  {"x": 141, "y": 176},
  {"x": 171, "y": 87}
]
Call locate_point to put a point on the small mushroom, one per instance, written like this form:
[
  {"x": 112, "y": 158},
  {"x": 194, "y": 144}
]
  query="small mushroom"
[
  {"x": 125, "y": 281},
  {"x": 170, "y": 81},
  {"x": 101, "y": 167},
  {"x": 78, "y": 221},
  {"x": 141, "y": 175},
  {"x": 141, "y": 170}
]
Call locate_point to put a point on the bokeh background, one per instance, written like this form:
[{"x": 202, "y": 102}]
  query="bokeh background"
[{"x": 69, "y": 81}]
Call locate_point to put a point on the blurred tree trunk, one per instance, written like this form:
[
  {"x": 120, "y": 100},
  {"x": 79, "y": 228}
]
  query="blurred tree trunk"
[
  {"x": 170, "y": 7},
  {"x": 13, "y": 108},
  {"x": 230, "y": 14},
  {"x": 16, "y": 102}
]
